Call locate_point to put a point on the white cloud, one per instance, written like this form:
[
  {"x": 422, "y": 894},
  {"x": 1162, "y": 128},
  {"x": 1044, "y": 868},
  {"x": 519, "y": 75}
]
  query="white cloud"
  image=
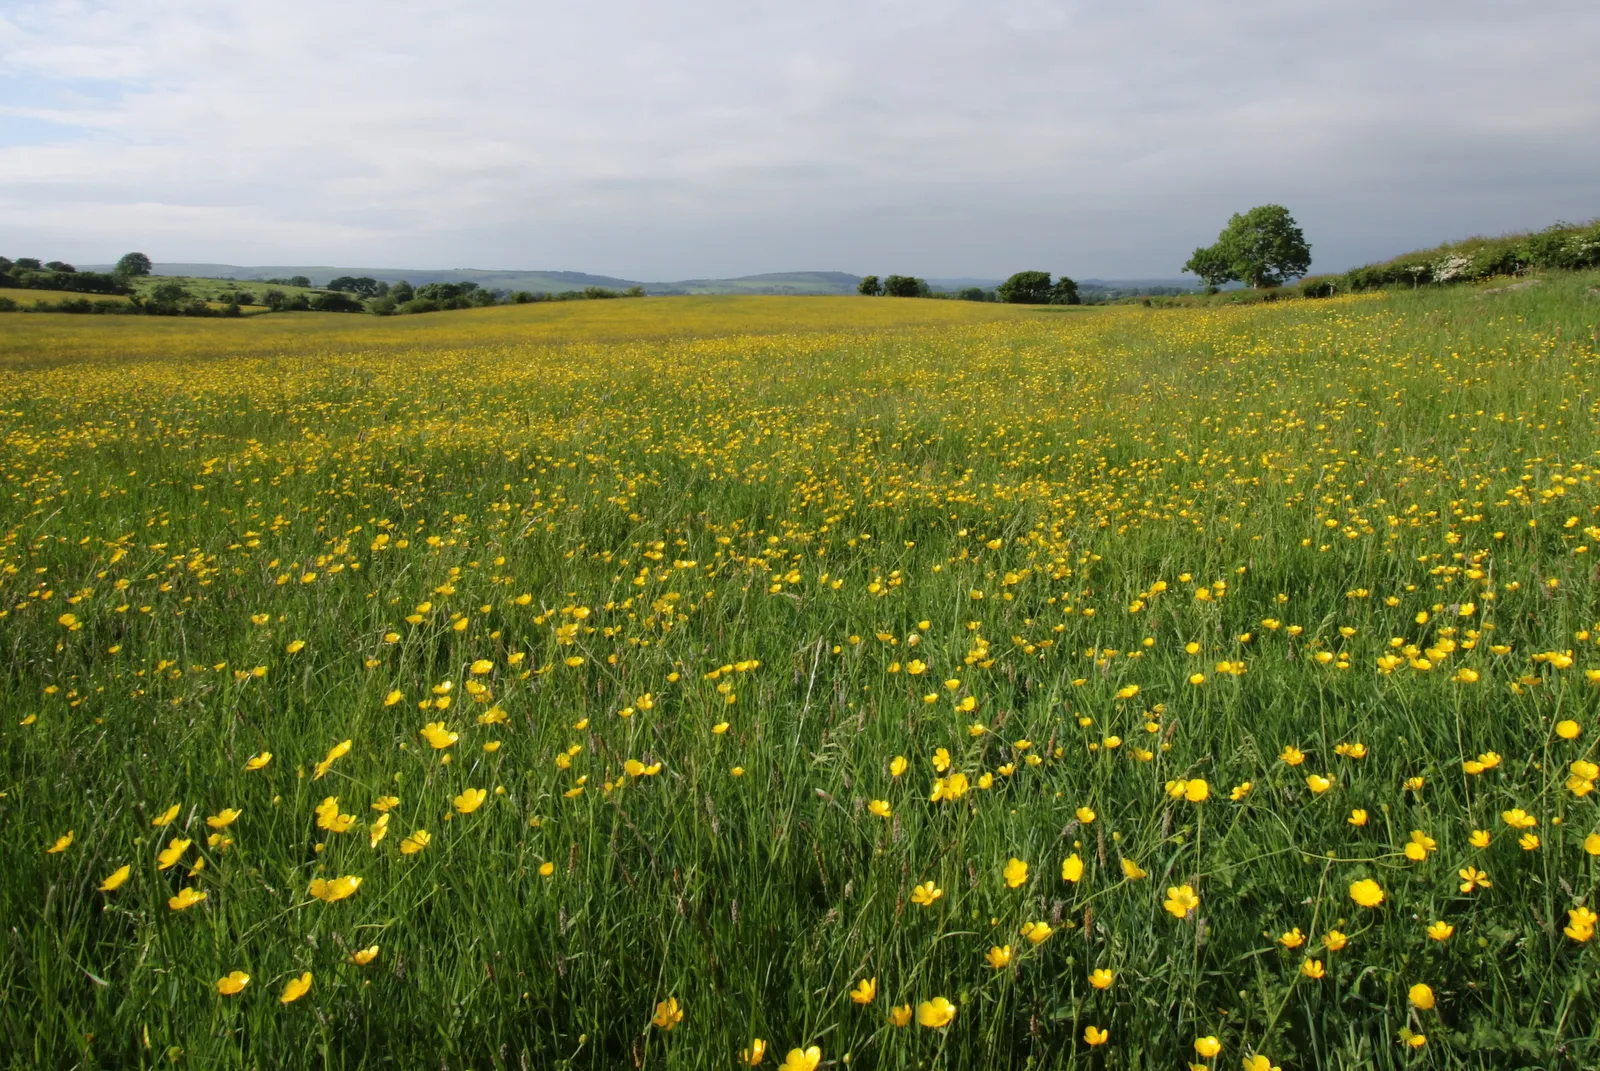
[{"x": 661, "y": 141}]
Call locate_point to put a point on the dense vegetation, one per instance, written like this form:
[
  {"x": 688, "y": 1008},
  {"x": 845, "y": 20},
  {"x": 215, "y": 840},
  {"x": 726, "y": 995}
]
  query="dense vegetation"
[{"x": 938, "y": 684}]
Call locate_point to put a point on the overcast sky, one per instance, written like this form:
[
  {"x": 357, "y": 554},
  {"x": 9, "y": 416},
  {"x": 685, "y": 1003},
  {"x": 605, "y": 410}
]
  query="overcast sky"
[{"x": 659, "y": 141}]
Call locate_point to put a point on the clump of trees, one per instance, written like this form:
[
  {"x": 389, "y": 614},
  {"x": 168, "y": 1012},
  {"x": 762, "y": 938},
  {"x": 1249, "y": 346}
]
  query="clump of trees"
[
  {"x": 402, "y": 298},
  {"x": 28, "y": 273},
  {"x": 172, "y": 297},
  {"x": 1261, "y": 248},
  {"x": 1035, "y": 288},
  {"x": 894, "y": 286},
  {"x": 360, "y": 285}
]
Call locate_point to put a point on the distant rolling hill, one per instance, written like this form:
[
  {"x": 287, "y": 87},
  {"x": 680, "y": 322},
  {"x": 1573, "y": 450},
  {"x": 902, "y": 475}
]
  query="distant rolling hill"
[
  {"x": 785, "y": 282},
  {"x": 797, "y": 282}
]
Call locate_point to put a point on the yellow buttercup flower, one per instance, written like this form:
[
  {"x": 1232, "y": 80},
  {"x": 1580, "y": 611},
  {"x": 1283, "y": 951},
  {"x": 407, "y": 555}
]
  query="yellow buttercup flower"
[
  {"x": 1133, "y": 871},
  {"x": 166, "y": 816},
  {"x": 753, "y": 1056},
  {"x": 1181, "y": 901},
  {"x": 1016, "y": 873},
  {"x": 232, "y": 983},
  {"x": 185, "y": 898},
  {"x": 998, "y": 956},
  {"x": 329, "y": 890},
  {"x": 224, "y": 818},
  {"x": 62, "y": 843},
  {"x": 115, "y": 879},
  {"x": 1207, "y": 1047},
  {"x": 168, "y": 857},
  {"x": 470, "y": 800},
  {"x": 668, "y": 1014},
  {"x": 1580, "y": 923},
  {"x": 865, "y": 991},
  {"x": 415, "y": 842},
  {"x": 936, "y": 1014},
  {"x": 296, "y": 988},
  {"x": 802, "y": 1059},
  {"x": 363, "y": 956},
  {"x": 880, "y": 808},
  {"x": 1093, "y": 1035},
  {"x": 335, "y": 753},
  {"x": 1072, "y": 868},
  {"x": 1036, "y": 932},
  {"x": 1420, "y": 996},
  {"x": 1517, "y": 818},
  {"x": 925, "y": 894},
  {"x": 1366, "y": 892},
  {"x": 257, "y": 761},
  {"x": 437, "y": 736},
  {"x": 1101, "y": 978}
]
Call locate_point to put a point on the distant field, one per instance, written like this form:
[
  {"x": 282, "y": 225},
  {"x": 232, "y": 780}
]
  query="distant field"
[
  {"x": 48, "y": 338},
  {"x": 50, "y": 297},
  {"x": 670, "y": 683}
]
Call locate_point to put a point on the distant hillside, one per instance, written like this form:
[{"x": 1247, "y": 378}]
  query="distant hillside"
[
  {"x": 784, "y": 282},
  {"x": 787, "y": 282},
  {"x": 800, "y": 282}
]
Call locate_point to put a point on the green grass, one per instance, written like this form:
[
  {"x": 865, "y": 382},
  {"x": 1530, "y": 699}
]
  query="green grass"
[{"x": 661, "y": 489}]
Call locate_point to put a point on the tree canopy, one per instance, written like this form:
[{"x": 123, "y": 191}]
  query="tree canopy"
[
  {"x": 905, "y": 286},
  {"x": 133, "y": 264},
  {"x": 1035, "y": 288},
  {"x": 1263, "y": 247}
]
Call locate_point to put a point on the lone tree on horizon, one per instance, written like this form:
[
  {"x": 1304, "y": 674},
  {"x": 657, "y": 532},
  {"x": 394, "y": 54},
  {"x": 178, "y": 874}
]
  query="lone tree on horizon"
[
  {"x": 133, "y": 264},
  {"x": 1263, "y": 247}
]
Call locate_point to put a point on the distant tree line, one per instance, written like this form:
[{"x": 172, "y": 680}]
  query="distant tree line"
[
  {"x": 402, "y": 298},
  {"x": 27, "y": 273},
  {"x": 1023, "y": 288},
  {"x": 1264, "y": 248},
  {"x": 171, "y": 297}
]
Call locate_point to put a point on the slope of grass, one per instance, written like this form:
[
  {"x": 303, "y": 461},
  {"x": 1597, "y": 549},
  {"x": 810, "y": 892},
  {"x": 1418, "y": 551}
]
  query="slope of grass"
[{"x": 1140, "y": 684}]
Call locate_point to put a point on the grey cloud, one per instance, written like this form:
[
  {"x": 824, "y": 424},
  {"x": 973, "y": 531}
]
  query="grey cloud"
[{"x": 705, "y": 138}]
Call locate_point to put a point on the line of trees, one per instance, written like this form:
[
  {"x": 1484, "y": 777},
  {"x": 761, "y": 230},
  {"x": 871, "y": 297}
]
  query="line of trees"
[
  {"x": 894, "y": 286},
  {"x": 28, "y": 273},
  {"x": 1023, "y": 288},
  {"x": 171, "y": 297}
]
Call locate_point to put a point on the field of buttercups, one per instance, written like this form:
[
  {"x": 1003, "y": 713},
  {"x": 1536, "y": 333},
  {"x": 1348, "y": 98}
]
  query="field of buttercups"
[{"x": 771, "y": 682}]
